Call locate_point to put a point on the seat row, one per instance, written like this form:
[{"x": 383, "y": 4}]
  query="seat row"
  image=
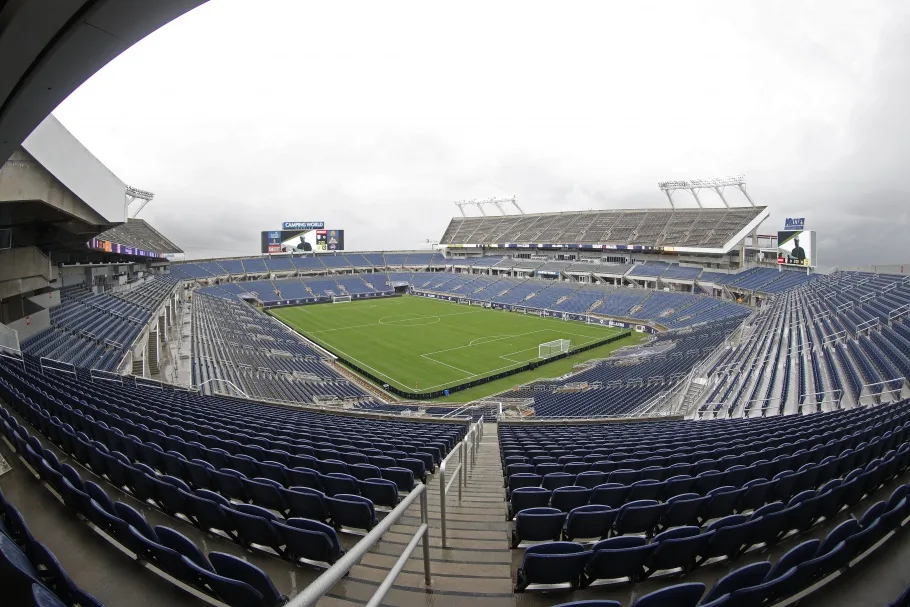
[
  {"x": 201, "y": 418},
  {"x": 418, "y": 459},
  {"x": 679, "y": 440},
  {"x": 649, "y": 517},
  {"x": 678, "y": 551},
  {"x": 692, "y": 442},
  {"x": 30, "y": 574},
  {"x": 345, "y": 507},
  {"x": 748, "y": 496},
  {"x": 232, "y": 580}
]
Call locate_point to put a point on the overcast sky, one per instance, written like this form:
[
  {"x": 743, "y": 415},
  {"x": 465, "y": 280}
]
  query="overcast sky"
[{"x": 375, "y": 116}]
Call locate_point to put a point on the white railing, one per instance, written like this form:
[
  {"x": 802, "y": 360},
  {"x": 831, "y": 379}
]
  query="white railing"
[
  {"x": 899, "y": 311},
  {"x": 102, "y": 375},
  {"x": 219, "y": 380},
  {"x": 765, "y": 405},
  {"x": 833, "y": 337},
  {"x": 321, "y": 586},
  {"x": 467, "y": 450},
  {"x": 50, "y": 364},
  {"x": 895, "y": 388},
  {"x": 8, "y": 354},
  {"x": 866, "y": 325},
  {"x": 835, "y": 397}
]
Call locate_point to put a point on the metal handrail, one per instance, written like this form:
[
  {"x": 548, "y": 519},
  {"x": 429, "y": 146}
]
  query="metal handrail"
[
  {"x": 334, "y": 574},
  {"x": 474, "y": 434}
]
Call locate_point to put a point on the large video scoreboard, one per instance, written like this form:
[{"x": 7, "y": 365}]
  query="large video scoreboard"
[{"x": 302, "y": 236}]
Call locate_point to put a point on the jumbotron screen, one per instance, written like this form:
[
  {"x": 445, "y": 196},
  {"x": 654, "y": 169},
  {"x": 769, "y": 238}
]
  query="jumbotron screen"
[
  {"x": 300, "y": 241},
  {"x": 796, "y": 248}
]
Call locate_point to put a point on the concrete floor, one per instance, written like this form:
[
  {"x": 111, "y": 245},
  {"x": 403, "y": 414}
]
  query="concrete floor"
[{"x": 478, "y": 565}]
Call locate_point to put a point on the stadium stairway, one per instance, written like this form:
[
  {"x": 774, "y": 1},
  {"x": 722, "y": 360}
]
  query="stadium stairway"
[{"x": 475, "y": 567}]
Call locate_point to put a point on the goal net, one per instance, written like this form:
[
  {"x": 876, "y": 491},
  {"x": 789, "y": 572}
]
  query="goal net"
[
  {"x": 552, "y": 348},
  {"x": 341, "y": 298}
]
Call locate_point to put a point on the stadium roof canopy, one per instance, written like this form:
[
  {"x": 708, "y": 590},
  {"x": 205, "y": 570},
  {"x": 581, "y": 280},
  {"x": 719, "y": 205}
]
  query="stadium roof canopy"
[
  {"x": 684, "y": 230},
  {"x": 137, "y": 233}
]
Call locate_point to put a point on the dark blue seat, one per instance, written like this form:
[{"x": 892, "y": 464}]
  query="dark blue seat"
[
  {"x": 254, "y": 526},
  {"x": 380, "y": 491},
  {"x": 43, "y": 597},
  {"x": 555, "y": 480},
  {"x": 552, "y": 563},
  {"x": 722, "y": 502},
  {"x": 538, "y": 525},
  {"x": 728, "y": 537},
  {"x": 207, "y": 509},
  {"x": 683, "y": 510},
  {"x": 618, "y": 559},
  {"x": 676, "y": 550},
  {"x": 267, "y": 493},
  {"x": 782, "y": 579},
  {"x": 523, "y": 479},
  {"x": 590, "y": 479},
  {"x": 589, "y": 521},
  {"x": 609, "y": 494},
  {"x": 646, "y": 489},
  {"x": 304, "y": 502},
  {"x": 230, "y": 483},
  {"x": 592, "y": 603},
  {"x": 528, "y": 497},
  {"x": 570, "y": 497},
  {"x": 678, "y": 484},
  {"x": 310, "y": 540},
  {"x": 680, "y": 595},
  {"x": 337, "y": 482},
  {"x": 363, "y": 472},
  {"x": 402, "y": 477},
  {"x": 52, "y": 573},
  {"x": 744, "y": 577},
  {"x": 233, "y": 592},
  {"x": 181, "y": 546},
  {"x": 639, "y": 517},
  {"x": 304, "y": 477},
  {"x": 234, "y": 568},
  {"x": 351, "y": 511},
  {"x": 771, "y": 524}
]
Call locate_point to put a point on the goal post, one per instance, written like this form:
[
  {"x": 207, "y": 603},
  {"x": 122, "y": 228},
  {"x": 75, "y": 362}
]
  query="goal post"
[
  {"x": 341, "y": 298},
  {"x": 552, "y": 348}
]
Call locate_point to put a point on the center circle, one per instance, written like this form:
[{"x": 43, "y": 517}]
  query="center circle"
[{"x": 410, "y": 321}]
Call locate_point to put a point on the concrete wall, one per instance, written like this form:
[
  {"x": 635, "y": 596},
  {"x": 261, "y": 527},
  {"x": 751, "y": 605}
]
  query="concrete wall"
[
  {"x": 32, "y": 324},
  {"x": 24, "y": 178},
  {"x": 23, "y": 270},
  {"x": 77, "y": 168}
]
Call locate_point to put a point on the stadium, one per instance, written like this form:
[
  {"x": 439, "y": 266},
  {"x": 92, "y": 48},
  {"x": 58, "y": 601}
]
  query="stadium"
[{"x": 621, "y": 407}]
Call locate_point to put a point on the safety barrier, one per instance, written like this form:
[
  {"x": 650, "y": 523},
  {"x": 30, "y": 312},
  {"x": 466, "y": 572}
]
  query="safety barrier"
[{"x": 472, "y": 438}]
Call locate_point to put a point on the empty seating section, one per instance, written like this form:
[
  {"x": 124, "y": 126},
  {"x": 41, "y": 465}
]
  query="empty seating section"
[
  {"x": 653, "y": 227},
  {"x": 235, "y": 343},
  {"x": 280, "y": 481},
  {"x": 625, "y": 385},
  {"x": 30, "y": 573},
  {"x": 837, "y": 339},
  {"x": 95, "y": 331},
  {"x": 626, "y": 502}
]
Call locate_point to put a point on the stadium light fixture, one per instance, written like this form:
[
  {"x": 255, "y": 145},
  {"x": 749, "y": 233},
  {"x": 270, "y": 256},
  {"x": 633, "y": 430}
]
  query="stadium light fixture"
[
  {"x": 714, "y": 183},
  {"x": 131, "y": 195},
  {"x": 497, "y": 202}
]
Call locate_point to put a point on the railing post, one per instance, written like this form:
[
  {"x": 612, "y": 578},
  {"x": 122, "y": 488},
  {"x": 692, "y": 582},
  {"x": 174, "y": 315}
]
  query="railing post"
[
  {"x": 425, "y": 519},
  {"x": 461, "y": 477},
  {"x": 442, "y": 502}
]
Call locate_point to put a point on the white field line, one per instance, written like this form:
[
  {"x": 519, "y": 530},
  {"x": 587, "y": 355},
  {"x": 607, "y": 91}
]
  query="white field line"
[
  {"x": 393, "y": 323},
  {"x": 429, "y": 354}
]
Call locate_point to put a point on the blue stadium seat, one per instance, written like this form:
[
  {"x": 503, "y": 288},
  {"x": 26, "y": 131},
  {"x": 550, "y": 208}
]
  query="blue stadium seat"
[
  {"x": 538, "y": 525},
  {"x": 551, "y": 564}
]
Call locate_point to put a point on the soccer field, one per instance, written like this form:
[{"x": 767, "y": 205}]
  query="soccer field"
[{"x": 422, "y": 345}]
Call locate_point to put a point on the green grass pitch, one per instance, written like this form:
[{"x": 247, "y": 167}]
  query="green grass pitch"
[{"x": 422, "y": 345}]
